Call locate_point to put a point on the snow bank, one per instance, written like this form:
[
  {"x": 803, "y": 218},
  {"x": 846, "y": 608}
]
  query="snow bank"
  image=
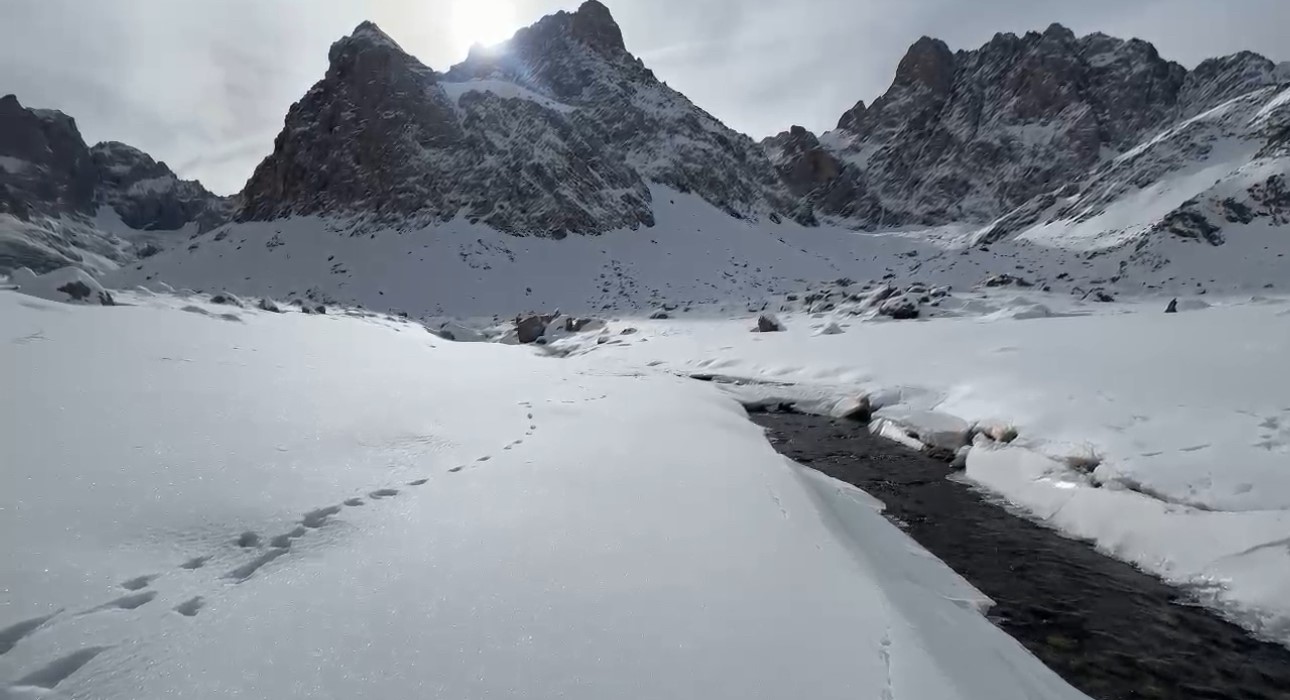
[
  {"x": 1190, "y": 410},
  {"x": 69, "y": 284},
  {"x": 293, "y": 505}
]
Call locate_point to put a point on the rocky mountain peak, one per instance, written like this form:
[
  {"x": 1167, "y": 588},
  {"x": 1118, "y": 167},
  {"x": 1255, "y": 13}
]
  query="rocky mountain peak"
[
  {"x": 54, "y": 184},
  {"x": 1217, "y": 80},
  {"x": 593, "y": 25},
  {"x": 928, "y": 63}
]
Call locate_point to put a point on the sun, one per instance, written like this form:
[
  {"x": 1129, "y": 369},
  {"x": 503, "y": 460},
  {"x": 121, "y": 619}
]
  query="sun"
[{"x": 486, "y": 22}]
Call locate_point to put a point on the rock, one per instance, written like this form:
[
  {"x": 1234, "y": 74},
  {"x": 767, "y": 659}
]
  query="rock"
[
  {"x": 997, "y": 431},
  {"x": 628, "y": 331},
  {"x": 899, "y": 308},
  {"x": 830, "y": 328},
  {"x": 961, "y": 457},
  {"x": 78, "y": 290},
  {"x": 769, "y": 323},
  {"x": 320, "y": 309},
  {"x": 530, "y": 328},
  {"x": 1172, "y": 308},
  {"x": 266, "y": 304},
  {"x": 856, "y": 408},
  {"x": 227, "y": 299},
  {"x": 659, "y": 315},
  {"x": 878, "y": 296},
  {"x": 588, "y": 325},
  {"x": 69, "y": 285},
  {"x": 1006, "y": 280}
]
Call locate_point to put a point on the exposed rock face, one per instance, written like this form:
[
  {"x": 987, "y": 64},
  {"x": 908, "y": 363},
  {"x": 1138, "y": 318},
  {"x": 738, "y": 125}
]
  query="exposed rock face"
[
  {"x": 46, "y": 167},
  {"x": 148, "y": 195},
  {"x": 557, "y": 131},
  {"x": 1034, "y": 112},
  {"x": 52, "y": 185}
]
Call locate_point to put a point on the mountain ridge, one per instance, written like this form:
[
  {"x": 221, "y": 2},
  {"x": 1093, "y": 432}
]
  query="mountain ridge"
[{"x": 561, "y": 131}]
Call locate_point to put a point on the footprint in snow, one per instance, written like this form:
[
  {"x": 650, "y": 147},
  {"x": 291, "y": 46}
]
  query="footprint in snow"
[
  {"x": 485, "y": 458},
  {"x": 248, "y": 539},
  {"x": 139, "y": 583},
  {"x": 284, "y": 540},
  {"x": 454, "y": 470},
  {"x": 60, "y": 669},
  {"x": 314, "y": 519},
  {"x": 382, "y": 493},
  {"x": 11, "y": 635},
  {"x": 418, "y": 482},
  {"x": 353, "y": 502},
  {"x": 194, "y": 563},
  {"x": 190, "y": 607},
  {"x": 248, "y": 569},
  {"x": 128, "y": 602}
]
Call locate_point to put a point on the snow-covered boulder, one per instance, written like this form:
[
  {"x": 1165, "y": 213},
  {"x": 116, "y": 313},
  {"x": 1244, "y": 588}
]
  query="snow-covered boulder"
[
  {"x": 769, "y": 323},
  {"x": 857, "y": 408},
  {"x": 997, "y": 431},
  {"x": 936, "y": 430},
  {"x": 68, "y": 284},
  {"x": 830, "y": 328},
  {"x": 901, "y": 307},
  {"x": 227, "y": 299}
]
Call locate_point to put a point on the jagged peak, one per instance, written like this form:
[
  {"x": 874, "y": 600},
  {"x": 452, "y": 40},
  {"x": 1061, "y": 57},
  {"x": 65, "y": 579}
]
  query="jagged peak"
[
  {"x": 365, "y": 37},
  {"x": 929, "y": 62},
  {"x": 1059, "y": 31},
  {"x": 851, "y": 118},
  {"x": 594, "y": 25}
]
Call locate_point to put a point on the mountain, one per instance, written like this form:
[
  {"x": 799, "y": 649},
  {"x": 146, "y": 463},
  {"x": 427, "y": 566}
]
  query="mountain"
[
  {"x": 970, "y": 136},
  {"x": 53, "y": 188},
  {"x": 559, "y": 130},
  {"x": 1081, "y": 161}
]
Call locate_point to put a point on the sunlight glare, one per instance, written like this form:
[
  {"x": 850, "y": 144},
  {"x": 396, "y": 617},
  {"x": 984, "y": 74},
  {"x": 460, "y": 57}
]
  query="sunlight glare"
[{"x": 486, "y": 22}]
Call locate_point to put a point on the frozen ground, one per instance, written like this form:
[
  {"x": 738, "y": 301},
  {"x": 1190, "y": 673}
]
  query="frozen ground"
[
  {"x": 1163, "y": 437},
  {"x": 279, "y": 505}
]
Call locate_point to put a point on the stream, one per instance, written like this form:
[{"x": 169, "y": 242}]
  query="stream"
[{"x": 1109, "y": 629}]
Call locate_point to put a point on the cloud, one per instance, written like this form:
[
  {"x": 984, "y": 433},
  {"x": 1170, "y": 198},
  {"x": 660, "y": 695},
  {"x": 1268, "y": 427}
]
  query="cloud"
[{"x": 205, "y": 84}]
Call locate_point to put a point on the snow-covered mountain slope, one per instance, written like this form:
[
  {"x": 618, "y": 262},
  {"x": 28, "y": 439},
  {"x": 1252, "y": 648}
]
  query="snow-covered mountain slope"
[
  {"x": 1164, "y": 438},
  {"x": 558, "y": 130},
  {"x": 287, "y": 506},
  {"x": 64, "y": 203},
  {"x": 969, "y": 136},
  {"x": 695, "y": 257}
]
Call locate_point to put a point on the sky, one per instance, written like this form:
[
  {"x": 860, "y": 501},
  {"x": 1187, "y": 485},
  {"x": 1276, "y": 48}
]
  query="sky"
[{"x": 204, "y": 84}]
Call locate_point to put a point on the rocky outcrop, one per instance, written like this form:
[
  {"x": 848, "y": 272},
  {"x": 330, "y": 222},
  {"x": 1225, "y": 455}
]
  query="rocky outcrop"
[
  {"x": 45, "y": 166},
  {"x": 148, "y": 196}
]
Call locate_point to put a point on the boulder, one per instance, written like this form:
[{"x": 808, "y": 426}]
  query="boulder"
[
  {"x": 902, "y": 307},
  {"x": 68, "y": 284},
  {"x": 1172, "y": 308},
  {"x": 530, "y": 328},
  {"x": 769, "y": 323}
]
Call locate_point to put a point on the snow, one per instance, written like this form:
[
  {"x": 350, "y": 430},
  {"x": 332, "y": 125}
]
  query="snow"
[
  {"x": 12, "y": 165},
  {"x": 196, "y": 522},
  {"x": 68, "y": 284},
  {"x": 153, "y": 185},
  {"x": 503, "y": 89},
  {"x": 1187, "y": 414}
]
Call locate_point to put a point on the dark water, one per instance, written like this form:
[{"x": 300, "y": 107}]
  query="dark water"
[{"x": 1109, "y": 629}]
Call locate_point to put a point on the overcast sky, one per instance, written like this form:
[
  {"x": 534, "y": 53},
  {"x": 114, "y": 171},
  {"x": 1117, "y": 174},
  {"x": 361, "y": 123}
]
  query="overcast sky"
[{"x": 204, "y": 84}]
